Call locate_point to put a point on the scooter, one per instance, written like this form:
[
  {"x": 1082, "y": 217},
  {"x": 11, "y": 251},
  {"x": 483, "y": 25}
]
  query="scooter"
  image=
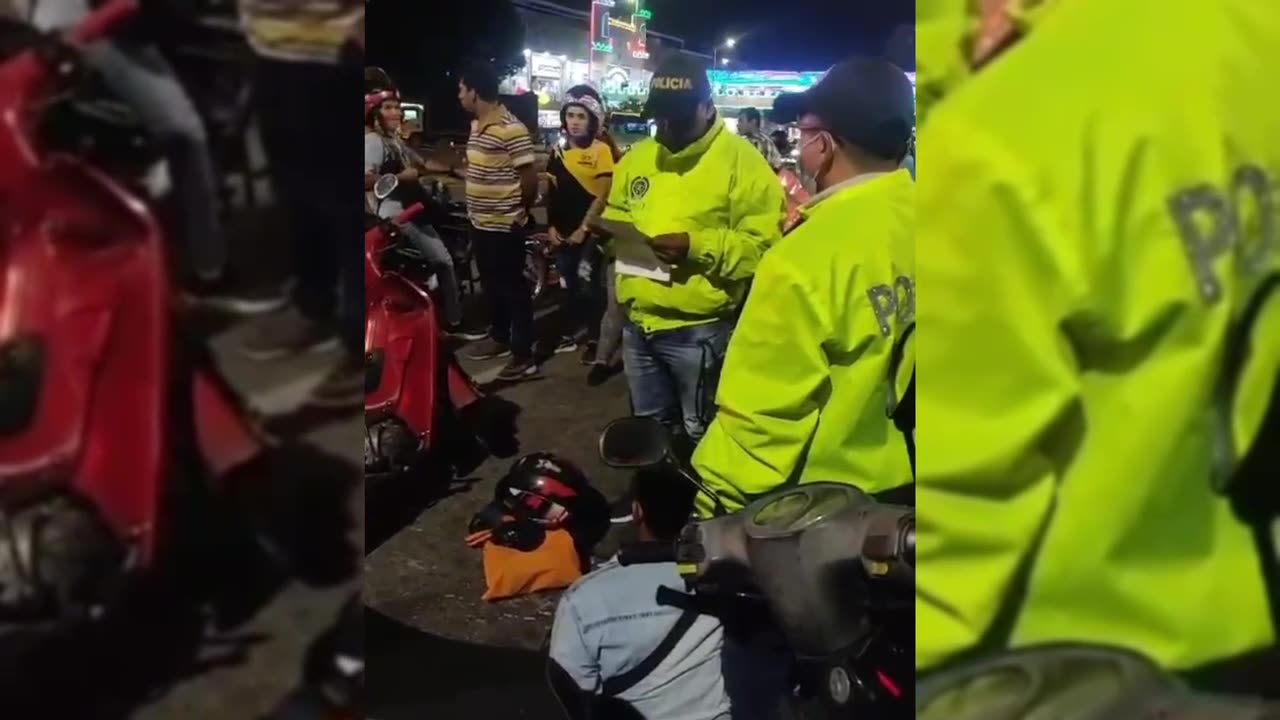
[
  {"x": 824, "y": 566},
  {"x": 413, "y": 382},
  {"x": 119, "y": 440}
]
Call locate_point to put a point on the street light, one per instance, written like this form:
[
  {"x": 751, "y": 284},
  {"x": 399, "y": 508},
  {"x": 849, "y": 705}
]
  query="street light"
[
  {"x": 724, "y": 61},
  {"x": 715, "y": 52}
]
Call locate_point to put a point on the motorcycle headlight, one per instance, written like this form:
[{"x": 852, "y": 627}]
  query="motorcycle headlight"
[{"x": 22, "y": 364}]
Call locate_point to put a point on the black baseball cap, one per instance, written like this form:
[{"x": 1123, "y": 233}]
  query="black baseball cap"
[
  {"x": 868, "y": 103},
  {"x": 679, "y": 84}
]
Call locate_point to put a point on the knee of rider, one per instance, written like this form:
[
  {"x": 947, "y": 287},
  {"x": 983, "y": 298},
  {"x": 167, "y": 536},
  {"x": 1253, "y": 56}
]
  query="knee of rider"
[{"x": 184, "y": 128}]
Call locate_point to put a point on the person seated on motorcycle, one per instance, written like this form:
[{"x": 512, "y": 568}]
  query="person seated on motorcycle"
[
  {"x": 1103, "y": 340},
  {"x": 609, "y": 626},
  {"x": 386, "y": 154},
  {"x": 815, "y": 353},
  {"x": 749, "y": 128},
  {"x": 711, "y": 207},
  {"x": 581, "y": 175},
  {"x": 140, "y": 75}
]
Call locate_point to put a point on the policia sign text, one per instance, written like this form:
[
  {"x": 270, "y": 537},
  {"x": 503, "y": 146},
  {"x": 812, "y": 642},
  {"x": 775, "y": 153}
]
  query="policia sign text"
[
  {"x": 1224, "y": 210},
  {"x": 899, "y": 300},
  {"x": 1213, "y": 223}
]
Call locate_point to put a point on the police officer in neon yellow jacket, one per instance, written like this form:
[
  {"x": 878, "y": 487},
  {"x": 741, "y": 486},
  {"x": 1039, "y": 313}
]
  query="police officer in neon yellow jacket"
[
  {"x": 1098, "y": 212},
  {"x": 811, "y": 375},
  {"x": 712, "y": 206}
]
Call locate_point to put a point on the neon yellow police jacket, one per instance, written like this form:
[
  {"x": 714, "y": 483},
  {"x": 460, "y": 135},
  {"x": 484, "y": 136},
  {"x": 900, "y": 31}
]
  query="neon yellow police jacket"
[
  {"x": 1098, "y": 207},
  {"x": 719, "y": 190},
  {"x": 810, "y": 377}
]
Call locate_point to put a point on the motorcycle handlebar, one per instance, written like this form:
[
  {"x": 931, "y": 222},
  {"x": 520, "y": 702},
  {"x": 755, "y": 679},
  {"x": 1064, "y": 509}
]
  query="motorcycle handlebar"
[
  {"x": 409, "y": 214},
  {"x": 647, "y": 553},
  {"x": 104, "y": 21}
]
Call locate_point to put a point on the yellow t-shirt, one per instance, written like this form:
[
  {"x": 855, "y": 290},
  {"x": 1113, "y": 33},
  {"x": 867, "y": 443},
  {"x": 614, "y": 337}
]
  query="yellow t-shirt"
[
  {"x": 579, "y": 175},
  {"x": 592, "y": 166}
]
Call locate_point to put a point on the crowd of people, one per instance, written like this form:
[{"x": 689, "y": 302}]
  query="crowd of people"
[{"x": 770, "y": 353}]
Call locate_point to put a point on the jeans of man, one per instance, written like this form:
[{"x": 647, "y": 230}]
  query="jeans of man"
[
  {"x": 326, "y": 221},
  {"x": 613, "y": 318},
  {"x": 500, "y": 260},
  {"x": 580, "y": 295},
  {"x": 427, "y": 241},
  {"x": 142, "y": 78},
  {"x": 673, "y": 374}
]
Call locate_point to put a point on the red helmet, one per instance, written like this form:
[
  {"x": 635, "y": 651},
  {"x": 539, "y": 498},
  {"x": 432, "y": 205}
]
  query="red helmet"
[
  {"x": 552, "y": 492},
  {"x": 374, "y": 100}
]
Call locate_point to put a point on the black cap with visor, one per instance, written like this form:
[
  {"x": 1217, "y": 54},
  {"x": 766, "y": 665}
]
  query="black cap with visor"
[
  {"x": 867, "y": 103},
  {"x": 678, "y": 86}
]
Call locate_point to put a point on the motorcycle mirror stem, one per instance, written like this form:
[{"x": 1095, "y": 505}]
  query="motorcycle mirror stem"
[{"x": 720, "y": 509}]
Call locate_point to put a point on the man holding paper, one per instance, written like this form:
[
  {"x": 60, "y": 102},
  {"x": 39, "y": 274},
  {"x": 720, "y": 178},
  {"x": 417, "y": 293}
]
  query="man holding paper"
[{"x": 691, "y": 213}]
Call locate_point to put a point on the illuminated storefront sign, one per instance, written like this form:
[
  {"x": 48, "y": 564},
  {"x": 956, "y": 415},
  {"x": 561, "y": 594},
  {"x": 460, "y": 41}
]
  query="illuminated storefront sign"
[
  {"x": 543, "y": 65},
  {"x": 631, "y": 29}
]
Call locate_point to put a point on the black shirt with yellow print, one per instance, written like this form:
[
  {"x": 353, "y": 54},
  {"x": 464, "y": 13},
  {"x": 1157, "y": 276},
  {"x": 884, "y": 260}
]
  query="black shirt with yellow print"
[{"x": 578, "y": 176}]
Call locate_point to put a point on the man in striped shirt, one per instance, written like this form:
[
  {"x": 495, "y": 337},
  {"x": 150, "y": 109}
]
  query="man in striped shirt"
[
  {"x": 749, "y": 127},
  {"x": 502, "y": 184},
  {"x": 309, "y": 66}
]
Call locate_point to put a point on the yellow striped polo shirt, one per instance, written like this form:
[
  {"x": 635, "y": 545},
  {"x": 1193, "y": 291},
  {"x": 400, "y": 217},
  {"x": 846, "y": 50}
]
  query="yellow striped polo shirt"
[{"x": 499, "y": 146}]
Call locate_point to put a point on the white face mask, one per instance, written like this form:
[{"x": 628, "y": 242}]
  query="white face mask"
[{"x": 808, "y": 178}]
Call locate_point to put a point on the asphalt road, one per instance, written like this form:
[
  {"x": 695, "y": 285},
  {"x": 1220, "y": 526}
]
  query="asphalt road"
[{"x": 436, "y": 650}]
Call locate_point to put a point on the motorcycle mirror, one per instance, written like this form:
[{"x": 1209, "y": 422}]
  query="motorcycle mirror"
[
  {"x": 634, "y": 442},
  {"x": 386, "y": 185}
]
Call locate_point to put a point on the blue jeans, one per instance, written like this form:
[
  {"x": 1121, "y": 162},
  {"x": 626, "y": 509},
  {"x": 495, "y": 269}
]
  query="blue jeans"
[
  {"x": 673, "y": 374},
  {"x": 143, "y": 79}
]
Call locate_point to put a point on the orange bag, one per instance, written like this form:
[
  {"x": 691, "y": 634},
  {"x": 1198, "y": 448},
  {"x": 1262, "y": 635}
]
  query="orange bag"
[{"x": 511, "y": 573}]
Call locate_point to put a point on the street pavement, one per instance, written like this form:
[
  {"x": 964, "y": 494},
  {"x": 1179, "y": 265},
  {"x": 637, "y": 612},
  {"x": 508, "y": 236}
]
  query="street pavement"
[
  {"x": 270, "y": 668},
  {"x": 436, "y": 650}
]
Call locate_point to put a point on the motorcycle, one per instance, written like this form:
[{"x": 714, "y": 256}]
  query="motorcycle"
[
  {"x": 824, "y": 565},
  {"x": 124, "y": 454},
  {"x": 413, "y": 382}
]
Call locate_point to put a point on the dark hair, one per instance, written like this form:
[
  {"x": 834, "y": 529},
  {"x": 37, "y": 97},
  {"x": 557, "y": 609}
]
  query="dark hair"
[
  {"x": 751, "y": 114},
  {"x": 666, "y": 499},
  {"x": 781, "y": 141},
  {"x": 482, "y": 78}
]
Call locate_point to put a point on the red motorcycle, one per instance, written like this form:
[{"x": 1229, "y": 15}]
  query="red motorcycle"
[
  {"x": 414, "y": 385},
  {"x": 112, "y": 425}
]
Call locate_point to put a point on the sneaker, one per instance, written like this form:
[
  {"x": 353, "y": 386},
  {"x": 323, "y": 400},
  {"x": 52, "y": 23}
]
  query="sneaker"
[
  {"x": 565, "y": 345},
  {"x": 227, "y": 294},
  {"x": 285, "y": 333},
  {"x": 342, "y": 388},
  {"x": 600, "y": 373},
  {"x": 589, "y": 354},
  {"x": 620, "y": 510},
  {"x": 488, "y": 350},
  {"x": 518, "y": 370},
  {"x": 459, "y": 332}
]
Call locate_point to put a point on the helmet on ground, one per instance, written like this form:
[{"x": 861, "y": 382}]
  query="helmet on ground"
[{"x": 546, "y": 489}]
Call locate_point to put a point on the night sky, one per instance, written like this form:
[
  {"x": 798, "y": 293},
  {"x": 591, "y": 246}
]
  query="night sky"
[{"x": 789, "y": 34}]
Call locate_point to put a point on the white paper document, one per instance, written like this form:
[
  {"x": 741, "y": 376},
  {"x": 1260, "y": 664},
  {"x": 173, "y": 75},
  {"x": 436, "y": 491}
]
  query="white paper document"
[{"x": 634, "y": 255}]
